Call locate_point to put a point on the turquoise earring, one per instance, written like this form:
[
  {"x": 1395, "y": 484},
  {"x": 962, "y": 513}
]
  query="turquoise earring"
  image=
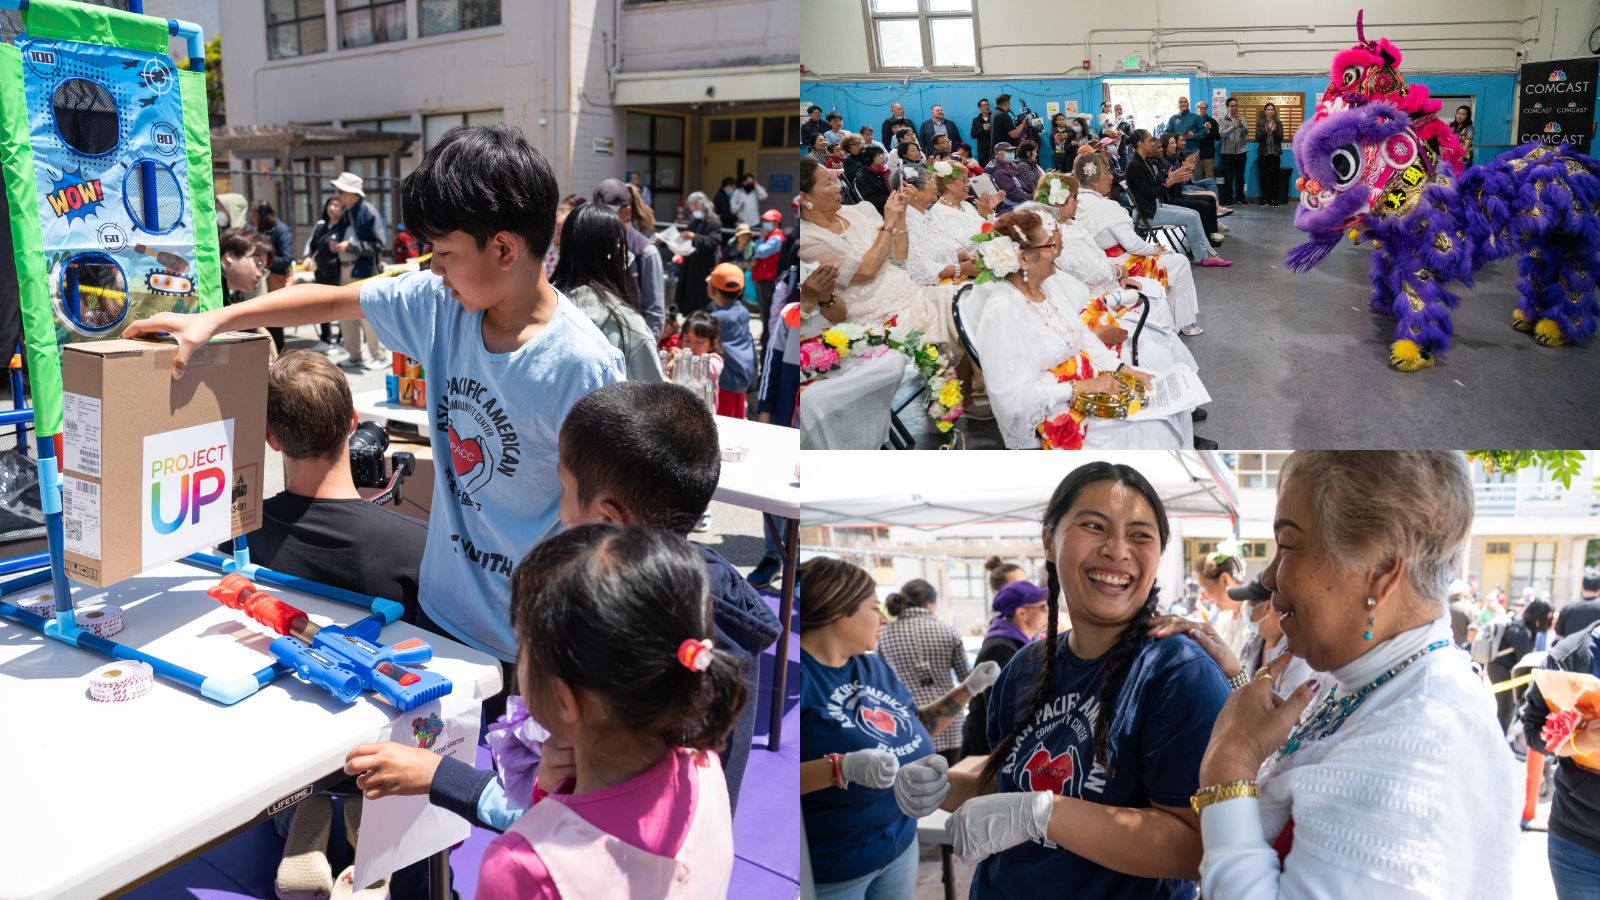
[{"x": 1367, "y": 635}]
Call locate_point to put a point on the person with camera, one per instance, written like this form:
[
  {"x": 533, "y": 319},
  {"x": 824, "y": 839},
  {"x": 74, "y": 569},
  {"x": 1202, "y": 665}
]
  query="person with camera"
[{"x": 319, "y": 527}]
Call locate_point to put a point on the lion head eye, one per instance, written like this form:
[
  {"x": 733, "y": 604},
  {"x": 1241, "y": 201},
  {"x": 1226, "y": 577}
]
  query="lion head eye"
[
  {"x": 1346, "y": 163},
  {"x": 1351, "y": 75}
]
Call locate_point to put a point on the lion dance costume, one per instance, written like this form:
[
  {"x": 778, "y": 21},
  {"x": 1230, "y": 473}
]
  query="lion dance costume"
[{"x": 1380, "y": 164}]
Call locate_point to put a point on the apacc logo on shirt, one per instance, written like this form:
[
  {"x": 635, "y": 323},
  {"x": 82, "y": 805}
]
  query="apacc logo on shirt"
[
  {"x": 483, "y": 440},
  {"x": 878, "y": 715},
  {"x": 1047, "y": 754}
]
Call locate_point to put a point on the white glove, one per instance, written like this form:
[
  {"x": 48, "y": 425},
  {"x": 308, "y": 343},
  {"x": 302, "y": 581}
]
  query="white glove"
[
  {"x": 920, "y": 787},
  {"x": 986, "y": 825},
  {"x": 983, "y": 677},
  {"x": 869, "y": 768}
]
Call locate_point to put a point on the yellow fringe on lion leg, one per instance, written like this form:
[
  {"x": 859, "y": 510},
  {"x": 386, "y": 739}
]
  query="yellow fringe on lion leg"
[
  {"x": 1408, "y": 356},
  {"x": 1548, "y": 333},
  {"x": 1521, "y": 322}
]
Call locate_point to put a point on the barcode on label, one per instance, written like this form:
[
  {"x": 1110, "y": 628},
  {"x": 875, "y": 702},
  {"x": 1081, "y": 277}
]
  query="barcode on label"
[{"x": 88, "y": 487}]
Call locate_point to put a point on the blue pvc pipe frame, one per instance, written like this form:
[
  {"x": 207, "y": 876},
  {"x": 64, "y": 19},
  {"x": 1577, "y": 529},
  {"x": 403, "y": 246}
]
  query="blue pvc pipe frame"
[{"x": 63, "y": 626}]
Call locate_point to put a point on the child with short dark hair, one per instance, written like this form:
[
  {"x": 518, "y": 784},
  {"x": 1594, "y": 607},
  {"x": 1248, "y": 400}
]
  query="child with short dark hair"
[{"x": 506, "y": 355}]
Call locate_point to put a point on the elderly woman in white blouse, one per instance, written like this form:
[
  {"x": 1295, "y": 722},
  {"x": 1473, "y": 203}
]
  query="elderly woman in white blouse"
[
  {"x": 1388, "y": 777},
  {"x": 933, "y": 256},
  {"x": 1112, "y": 228},
  {"x": 953, "y": 214},
  {"x": 869, "y": 250}
]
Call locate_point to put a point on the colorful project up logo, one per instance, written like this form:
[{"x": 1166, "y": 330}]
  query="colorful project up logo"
[
  {"x": 1558, "y": 75},
  {"x": 427, "y": 729},
  {"x": 75, "y": 198},
  {"x": 197, "y": 480},
  {"x": 1552, "y": 128}
]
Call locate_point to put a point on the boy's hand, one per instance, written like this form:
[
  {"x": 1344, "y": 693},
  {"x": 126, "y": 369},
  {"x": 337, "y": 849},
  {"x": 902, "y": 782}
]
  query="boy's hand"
[
  {"x": 387, "y": 768},
  {"x": 557, "y": 763},
  {"x": 191, "y": 329}
]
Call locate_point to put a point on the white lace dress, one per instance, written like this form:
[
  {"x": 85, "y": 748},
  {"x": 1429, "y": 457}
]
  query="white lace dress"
[
  {"x": 891, "y": 292},
  {"x": 931, "y": 249},
  {"x": 1111, "y": 226},
  {"x": 1019, "y": 342},
  {"x": 957, "y": 224},
  {"x": 1417, "y": 795}
]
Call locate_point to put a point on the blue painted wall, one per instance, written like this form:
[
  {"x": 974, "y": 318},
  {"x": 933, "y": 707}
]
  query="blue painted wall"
[{"x": 867, "y": 102}]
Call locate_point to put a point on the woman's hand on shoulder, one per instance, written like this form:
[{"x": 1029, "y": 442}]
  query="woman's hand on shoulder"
[{"x": 1203, "y": 634}]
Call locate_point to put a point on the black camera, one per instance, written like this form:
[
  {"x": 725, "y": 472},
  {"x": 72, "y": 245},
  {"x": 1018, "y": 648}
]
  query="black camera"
[{"x": 367, "y": 445}]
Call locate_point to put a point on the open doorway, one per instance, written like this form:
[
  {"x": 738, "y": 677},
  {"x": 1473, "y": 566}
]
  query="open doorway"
[{"x": 1151, "y": 101}]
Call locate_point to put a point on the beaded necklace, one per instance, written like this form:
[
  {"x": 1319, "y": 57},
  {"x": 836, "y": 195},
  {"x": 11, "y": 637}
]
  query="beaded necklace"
[{"x": 1330, "y": 716}]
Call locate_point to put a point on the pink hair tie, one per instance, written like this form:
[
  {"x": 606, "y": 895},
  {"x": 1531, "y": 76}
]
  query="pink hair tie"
[{"x": 695, "y": 655}]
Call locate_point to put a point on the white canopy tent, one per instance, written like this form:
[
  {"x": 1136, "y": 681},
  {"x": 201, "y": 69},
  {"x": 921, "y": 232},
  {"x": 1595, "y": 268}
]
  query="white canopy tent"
[{"x": 936, "y": 491}]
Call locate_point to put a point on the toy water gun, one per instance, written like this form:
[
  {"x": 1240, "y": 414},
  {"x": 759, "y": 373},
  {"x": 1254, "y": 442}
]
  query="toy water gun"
[{"x": 344, "y": 661}]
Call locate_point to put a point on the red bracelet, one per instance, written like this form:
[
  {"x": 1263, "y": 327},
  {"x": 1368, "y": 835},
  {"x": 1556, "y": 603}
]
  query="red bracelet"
[{"x": 838, "y": 770}]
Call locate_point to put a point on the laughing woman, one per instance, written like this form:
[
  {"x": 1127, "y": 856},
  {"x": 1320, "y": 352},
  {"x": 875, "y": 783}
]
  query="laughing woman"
[
  {"x": 1098, "y": 732},
  {"x": 1397, "y": 783}
]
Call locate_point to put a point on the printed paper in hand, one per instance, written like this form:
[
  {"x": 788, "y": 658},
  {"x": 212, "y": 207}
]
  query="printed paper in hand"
[
  {"x": 398, "y": 831},
  {"x": 677, "y": 243},
  {"x": 1175, "y": 391}
]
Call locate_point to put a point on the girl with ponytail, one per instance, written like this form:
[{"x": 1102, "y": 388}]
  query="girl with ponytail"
[
  {"x": 617, "y": 660},
  {"x": 1097, "y": 732}
]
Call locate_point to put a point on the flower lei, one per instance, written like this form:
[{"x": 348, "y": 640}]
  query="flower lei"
[{"x": 827, "y": 351}]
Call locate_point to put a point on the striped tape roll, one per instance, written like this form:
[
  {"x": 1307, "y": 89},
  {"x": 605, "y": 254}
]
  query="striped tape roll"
[
  {"x": 104, "y": 621},
  {"x": 43, "y": 605},
  {"x": 121, "y": 680}
]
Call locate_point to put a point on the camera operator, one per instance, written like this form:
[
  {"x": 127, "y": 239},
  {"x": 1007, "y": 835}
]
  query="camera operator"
[
  {"x": 320, "y": 527},
  {"x": 1012, "y": 130}
]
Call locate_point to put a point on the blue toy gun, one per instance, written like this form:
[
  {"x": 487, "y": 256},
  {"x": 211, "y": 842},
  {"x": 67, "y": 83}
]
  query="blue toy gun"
[{"x": 345, "y": 661}]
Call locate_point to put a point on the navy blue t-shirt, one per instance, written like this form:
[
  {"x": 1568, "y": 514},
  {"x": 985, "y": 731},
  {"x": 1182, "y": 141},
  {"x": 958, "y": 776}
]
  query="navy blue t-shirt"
[
  {"x": 858, "y": 706},
  {"x": 1159, "y": 730}
]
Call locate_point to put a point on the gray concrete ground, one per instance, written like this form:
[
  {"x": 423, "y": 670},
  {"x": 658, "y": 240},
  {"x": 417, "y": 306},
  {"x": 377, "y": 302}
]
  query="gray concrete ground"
[{"x": 1298, "y": 361}]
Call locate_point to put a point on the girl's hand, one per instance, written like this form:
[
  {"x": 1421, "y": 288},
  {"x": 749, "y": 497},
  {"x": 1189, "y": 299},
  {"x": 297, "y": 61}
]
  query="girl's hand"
[
  {"x": 387, "y": 768},
  {"x": 1253, "y": 724},
  {"x": 986, "y": 825},
  {"x": 557, "y": 763},
  {"x": 191, "y": 329},
  {"x": 1204, "y": 635}
]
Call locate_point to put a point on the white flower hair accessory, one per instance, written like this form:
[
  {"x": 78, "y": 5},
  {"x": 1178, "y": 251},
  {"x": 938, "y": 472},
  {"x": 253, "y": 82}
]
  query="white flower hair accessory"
[
  {"x": 942, "y": 168},
  {"x": 1091, "y": 170},
  {"x": 1059, "y": 193},
  {"x": 1001, "y": 256}
]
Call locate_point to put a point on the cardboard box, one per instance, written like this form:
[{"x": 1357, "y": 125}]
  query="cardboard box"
[
  {"x": 416, "y": 493},
  {"x": 156, "y": 469}
]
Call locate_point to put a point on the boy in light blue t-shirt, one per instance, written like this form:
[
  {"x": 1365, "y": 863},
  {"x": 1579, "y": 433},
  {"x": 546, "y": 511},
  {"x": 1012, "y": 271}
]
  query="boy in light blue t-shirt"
[{"x": 506, "y": 357}]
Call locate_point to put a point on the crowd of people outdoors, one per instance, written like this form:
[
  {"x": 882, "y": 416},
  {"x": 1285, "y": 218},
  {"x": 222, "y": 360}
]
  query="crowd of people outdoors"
[
  {"x": 1325, "y": 726},
  {"x": 1073, "y": 240}
]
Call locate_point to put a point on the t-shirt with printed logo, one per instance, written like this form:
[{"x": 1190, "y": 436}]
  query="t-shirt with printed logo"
[
  {"x": 493, "y": 419},
  {"x": 858, "y": 706},
  {"x": 1159, "y": 730}
]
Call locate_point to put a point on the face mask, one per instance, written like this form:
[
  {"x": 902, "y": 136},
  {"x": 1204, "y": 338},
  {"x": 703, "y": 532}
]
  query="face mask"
[
  {"x": 699, "y": 214},
  {"x": 767, "y": 226},
  {"x": 749, "y": 189},
  {"x": 1251, "y": 626},
  {"x": 728, "y": 190},
  {"x": 1005, "y": 157}
]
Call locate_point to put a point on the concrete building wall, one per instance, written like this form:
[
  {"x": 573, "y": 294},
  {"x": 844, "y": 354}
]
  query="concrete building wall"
[{"x": 702, "y": 34}]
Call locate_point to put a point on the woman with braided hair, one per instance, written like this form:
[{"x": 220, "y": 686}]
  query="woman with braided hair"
[{"x": 1098, "y": 732}]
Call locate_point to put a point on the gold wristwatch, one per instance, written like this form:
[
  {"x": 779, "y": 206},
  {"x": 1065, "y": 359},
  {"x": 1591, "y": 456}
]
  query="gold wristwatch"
[{"x": 1216, "y": 793}]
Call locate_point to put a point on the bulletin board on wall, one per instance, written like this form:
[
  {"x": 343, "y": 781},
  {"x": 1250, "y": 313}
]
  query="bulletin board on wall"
[{"x": 1291, "y": 110}]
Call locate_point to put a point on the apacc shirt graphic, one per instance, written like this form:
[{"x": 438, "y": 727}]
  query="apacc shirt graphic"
[{"x": 483, "y": 438}]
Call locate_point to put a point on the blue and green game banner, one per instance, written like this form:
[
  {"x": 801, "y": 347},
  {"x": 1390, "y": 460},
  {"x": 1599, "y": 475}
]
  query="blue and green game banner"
[{"x": 106, "y": 126}]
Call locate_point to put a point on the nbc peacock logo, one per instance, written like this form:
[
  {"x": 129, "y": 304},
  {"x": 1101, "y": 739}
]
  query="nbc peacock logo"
[
  {"x": 1558, "y": 75},
  {"x": 1552, "y": 128}
]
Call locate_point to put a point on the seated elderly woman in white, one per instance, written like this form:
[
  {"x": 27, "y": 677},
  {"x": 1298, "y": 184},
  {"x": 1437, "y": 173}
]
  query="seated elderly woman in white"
[
  {"x": 1393, "y": 781},
  {"x": 934, "y": 257},
  {"x": 1112, "y": 228},
  {"x": 1112, "y": 303},
  {"x": 1037, "y": 354},
  {"x": 869, "y": 252},
  {"x": 957, "y": 218}
]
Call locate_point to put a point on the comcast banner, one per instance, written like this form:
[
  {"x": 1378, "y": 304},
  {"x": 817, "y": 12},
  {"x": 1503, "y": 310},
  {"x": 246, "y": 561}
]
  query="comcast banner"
[{"x": 1556, "y": 102}]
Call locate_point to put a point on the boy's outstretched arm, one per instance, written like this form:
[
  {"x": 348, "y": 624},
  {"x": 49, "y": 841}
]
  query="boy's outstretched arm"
[{"x": 303, "y": 304}]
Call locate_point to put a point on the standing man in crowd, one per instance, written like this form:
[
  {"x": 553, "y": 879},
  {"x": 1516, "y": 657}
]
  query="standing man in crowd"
[
  {"x": 1186, "y": 124},
  {"x": 982, "y": 137},
  {"x": 897, "y": 119},
  {"x": 1006, "y": 129},
  {"x": 746, "y": 201},
  {"x": 359, "y": 237},
  {"x": 646, "y": 272},
  {"x": 811, "y": 127},
  {"x": 1585, "y": 611},
  {"x": 1234, "y": 149},
  {"x": 938, "y": 126},
  {"x": 724, "y": 202},
  {"x": 1206, "y": 141}
]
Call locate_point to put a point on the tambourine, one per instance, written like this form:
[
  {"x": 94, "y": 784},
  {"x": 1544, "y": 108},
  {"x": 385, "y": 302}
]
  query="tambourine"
[{"x": 1120, "y": 405}]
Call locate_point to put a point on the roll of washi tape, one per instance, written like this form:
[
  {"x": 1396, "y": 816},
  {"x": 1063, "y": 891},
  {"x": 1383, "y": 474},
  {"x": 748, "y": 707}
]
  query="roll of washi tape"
[
  {"x": 43, "y": 605},
  {"x": 735, "y": 453},
  {"x": 104, "y": 621},
  {"x": 121, "y": 680}
]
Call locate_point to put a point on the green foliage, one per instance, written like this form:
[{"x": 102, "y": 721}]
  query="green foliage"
[
  {"x": 215, "y": 107},
  {"x": 1561, "y": 465}
]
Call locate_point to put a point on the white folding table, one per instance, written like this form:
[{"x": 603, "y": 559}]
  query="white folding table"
[{"x": 105, "y": 796}]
